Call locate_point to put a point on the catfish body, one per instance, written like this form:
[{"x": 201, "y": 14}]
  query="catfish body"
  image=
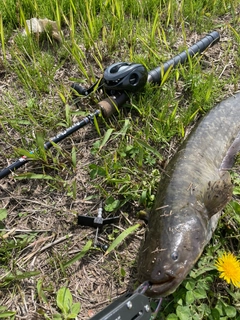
[{"x": 191, "y": 194}]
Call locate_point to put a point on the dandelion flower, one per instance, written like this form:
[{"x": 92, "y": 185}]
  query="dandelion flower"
[{"x": 229, "y": 268}]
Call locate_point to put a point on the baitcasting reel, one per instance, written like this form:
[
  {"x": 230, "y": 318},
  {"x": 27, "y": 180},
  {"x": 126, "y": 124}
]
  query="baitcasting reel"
[
  {"x": 123, "y": 76},
  {"x": 120, "y": 77}
]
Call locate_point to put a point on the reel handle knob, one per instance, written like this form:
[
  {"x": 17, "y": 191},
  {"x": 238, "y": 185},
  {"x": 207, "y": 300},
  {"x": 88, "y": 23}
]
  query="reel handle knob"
[{"x": 79, "y": 89}]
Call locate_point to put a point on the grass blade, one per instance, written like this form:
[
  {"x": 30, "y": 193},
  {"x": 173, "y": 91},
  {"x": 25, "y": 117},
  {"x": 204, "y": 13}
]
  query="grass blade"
[
  {"x": 30, "y": 175},
  {"x": 149, "y": 148},
  {"x": 106, "y": 138},
  {"x": 2, "y": 36},
  {"x": 78, "y": 256},
  {"x": 121, "y": 237}
]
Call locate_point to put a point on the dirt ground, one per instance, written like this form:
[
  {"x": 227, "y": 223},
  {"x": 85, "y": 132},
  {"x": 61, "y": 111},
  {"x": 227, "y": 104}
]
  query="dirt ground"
[{"x": 96, "y": 279}]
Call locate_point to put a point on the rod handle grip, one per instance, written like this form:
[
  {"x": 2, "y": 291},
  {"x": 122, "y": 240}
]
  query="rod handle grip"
[{"x": 110, "y": 105}]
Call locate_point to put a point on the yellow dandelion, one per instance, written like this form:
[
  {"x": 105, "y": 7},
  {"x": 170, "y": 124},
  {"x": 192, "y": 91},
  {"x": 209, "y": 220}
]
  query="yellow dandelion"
[{"x": 229, "y": 268}]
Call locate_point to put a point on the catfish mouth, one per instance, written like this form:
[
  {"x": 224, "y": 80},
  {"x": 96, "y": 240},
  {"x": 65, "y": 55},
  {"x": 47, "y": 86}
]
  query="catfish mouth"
[
  {"x": 158, "y": 290},
  {"x": 165, "y": 286}
]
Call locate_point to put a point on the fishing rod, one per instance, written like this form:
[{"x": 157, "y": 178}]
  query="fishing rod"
[{"x": 118, "y": 81}]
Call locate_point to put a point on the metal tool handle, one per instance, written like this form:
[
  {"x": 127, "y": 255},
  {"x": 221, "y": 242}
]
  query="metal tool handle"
[
  {"x": 156, "y": 74},
  {"x": 128, "y": 306}
]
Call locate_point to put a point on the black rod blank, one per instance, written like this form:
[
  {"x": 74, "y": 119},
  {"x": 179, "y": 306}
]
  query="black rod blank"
[
  {"x": 21, "y": 161},
  {"x": 156, "y": 74}
]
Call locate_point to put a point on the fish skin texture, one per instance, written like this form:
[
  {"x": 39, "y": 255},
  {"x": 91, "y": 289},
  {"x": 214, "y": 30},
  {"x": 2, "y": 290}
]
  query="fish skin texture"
[{"x": 193, "y": 190}]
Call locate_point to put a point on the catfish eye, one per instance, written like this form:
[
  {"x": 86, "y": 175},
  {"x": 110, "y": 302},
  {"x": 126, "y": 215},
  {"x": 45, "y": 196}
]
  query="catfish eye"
[{"x": 174, "y": 255}]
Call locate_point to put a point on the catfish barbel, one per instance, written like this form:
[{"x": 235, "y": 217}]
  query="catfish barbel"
[{"x": 192, "y": 192}]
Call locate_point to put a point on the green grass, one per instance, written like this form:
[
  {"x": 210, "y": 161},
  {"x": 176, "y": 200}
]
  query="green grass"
[{"x": 118, "y": 160}]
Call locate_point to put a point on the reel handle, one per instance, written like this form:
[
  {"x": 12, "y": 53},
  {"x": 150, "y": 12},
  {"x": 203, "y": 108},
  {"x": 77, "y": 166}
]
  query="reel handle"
[
  {"x": 156, "y": 74},
  {"x": 79, "y": 89}
]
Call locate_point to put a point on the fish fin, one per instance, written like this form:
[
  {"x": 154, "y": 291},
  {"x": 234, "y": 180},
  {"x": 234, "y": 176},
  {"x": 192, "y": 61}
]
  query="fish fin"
[
  {"x": 218, "y": 193},
  {"x": 230, "y": 156}
]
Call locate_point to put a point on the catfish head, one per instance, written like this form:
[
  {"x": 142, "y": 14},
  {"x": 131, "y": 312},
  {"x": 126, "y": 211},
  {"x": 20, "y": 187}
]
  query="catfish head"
[
  {"x": 170, "y": 250},
  {"x": 177, "y": 234}
]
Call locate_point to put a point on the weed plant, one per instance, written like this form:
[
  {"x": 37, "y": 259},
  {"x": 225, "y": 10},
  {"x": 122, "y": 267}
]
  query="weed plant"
[{"x": 119, "y": 160}]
